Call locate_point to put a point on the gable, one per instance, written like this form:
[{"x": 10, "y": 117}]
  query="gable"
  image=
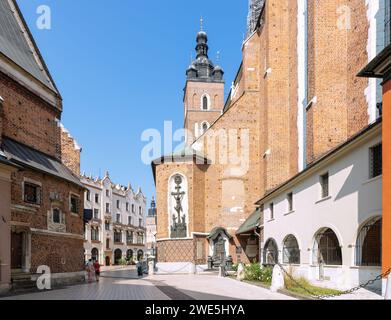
[{"x": 17, "y": 44}]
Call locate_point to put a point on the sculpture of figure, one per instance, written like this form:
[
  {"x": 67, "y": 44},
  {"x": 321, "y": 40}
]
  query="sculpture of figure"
[{"x": 178, "y": 229}]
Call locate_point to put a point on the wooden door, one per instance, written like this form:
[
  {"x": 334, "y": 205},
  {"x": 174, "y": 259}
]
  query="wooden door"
[{"x": 16, "y": 250}]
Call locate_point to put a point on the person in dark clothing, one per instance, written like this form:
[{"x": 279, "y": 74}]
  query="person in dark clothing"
[{"x": 97, "y": 270}]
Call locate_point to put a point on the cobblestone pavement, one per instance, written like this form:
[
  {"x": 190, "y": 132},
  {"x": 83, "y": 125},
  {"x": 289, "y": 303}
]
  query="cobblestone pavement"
[{"x": 124, "y": 285}]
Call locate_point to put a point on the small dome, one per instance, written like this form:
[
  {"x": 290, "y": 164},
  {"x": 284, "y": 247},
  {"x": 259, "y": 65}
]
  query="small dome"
[
  {"x": 202, "y": 34},
  {"x": 218, "y": 68},
  {"x": 192, "y": 67}
]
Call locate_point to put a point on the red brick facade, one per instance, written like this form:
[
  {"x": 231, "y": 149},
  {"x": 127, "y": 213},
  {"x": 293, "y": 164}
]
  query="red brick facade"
[{"x": 265, "y": 102}]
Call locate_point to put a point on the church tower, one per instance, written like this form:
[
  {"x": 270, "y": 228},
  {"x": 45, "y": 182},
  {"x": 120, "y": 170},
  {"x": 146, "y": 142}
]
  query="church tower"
[{"x": 204, "y": 91}]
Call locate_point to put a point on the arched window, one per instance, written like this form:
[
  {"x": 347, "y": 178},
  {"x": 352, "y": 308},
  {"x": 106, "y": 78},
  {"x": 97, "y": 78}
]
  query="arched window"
[
  {"x": 140, "y": 255},
  {"x": 204, "y": 127},
  {"x": 327, "y": 249},
  {"x": 205, "y": 102},
  {"x": 129, "y": 254},
  {"x": 270, "y": 252},
  {"x": 291, "y": 251},
  {"x": 117, "y": 256},
  {"x": 95, "y": 254},
  {"x": 368, "y": 245}
]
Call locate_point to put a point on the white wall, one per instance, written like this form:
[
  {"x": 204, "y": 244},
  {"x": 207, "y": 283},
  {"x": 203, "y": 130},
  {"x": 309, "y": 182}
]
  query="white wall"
[{"x": 353, "y": 200}]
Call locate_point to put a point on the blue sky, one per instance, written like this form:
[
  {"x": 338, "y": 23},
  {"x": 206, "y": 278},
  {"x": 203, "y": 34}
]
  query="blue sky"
[{"x": 120, "y": 67}]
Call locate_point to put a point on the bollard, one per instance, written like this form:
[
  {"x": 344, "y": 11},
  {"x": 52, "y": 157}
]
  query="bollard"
[
  {"x": 151, "y": 268},
  {"x": 387, "y": 296},
  {"x": 277, "y": 279},
  {"x": 240, "y": 273}
]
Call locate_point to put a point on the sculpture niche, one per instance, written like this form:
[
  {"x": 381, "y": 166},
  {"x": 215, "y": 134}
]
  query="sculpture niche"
[{"x": 179, "y": 226}]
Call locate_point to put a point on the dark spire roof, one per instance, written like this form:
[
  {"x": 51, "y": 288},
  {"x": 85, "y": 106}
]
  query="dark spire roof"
[
  {"x": 152, "y": 210},
  {"x": 202, "y": 68}
]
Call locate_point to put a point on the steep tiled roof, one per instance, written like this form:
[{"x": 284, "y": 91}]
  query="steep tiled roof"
[
  {"x": 17, "y": 44},
  {"x": 25, "y": 156}
]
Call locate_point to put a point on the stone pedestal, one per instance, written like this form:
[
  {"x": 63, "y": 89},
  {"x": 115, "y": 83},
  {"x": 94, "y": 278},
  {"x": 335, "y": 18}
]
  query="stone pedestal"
[
  {"x": 240, "y": 275},
  {"x": 277, "y": 280},
  {"x": 151, "y": 268}
]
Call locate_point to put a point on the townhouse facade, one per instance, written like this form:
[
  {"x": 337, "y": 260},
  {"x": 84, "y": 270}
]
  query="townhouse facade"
[{"x": 116, "y": 232}]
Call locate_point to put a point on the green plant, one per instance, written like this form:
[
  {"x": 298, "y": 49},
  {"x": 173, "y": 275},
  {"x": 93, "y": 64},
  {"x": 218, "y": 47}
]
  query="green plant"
[
  {"x": 235, "y": 267},
  {"x": 302, "y": 285},
  {"x": 122, "y": 262},
  {"x": 254, "y": 272}
]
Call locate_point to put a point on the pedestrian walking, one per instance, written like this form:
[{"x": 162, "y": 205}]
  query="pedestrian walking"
[
  {"x": 90, "y": 270},
  {"x": 139, "y": 268},
  {"x": 97, "y": 270}
]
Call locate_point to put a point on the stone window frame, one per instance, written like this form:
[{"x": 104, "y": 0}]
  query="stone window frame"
[
  {"x": 71, "y": 195},
  {"x": 60, "y": 215},
  {"x": 97, "y": 235},
  {"x": 62, "y": 224},
  {"x": 96, "y": 198},
  {"x": 88, "y": 195},
  {"x": 36, "y": 183},
  {"x": 96, "y": 210},
  {"x": 202, "y": 126}
]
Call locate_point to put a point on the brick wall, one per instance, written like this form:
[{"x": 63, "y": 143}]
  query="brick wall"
[
  {"x": 280, "y": 89},
  {"x": 29, "y": 119},
  {"x": 59, "y": 253},
  {"x": 37, "y": 217},
  {"x": 194, "y": 113},
  {"x": 341, "y": 109},
  {"x": 70, "y": 152}
]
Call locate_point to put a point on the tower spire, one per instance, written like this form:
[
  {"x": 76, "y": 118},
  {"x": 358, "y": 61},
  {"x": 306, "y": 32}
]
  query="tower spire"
[{"x": 202, "y": 24}]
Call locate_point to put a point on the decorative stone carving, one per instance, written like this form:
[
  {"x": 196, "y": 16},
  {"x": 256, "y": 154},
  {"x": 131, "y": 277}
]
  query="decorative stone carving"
[{"x": 179, "y": 225}]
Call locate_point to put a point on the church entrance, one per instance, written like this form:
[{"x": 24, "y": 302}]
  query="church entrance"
[
  {"x": 219, "y": 250},
  {"x": 218, "y": 247}
]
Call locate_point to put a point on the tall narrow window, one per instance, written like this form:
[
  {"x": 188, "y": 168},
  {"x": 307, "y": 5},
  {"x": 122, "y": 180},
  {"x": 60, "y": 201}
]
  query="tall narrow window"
[
  {"x": 375, "y": 161},
  {"x": 96, "y": 198},
  {"x": 88, "y": 195},
  {"x": 107, "y": 207},
  {"x": 290, "y": 201},
  {"x": 324, "y": 185},
  {"x": 271, "y": 208},
  {"x": 96, "y": 214},
  {"x": 118, "y": 204},
  {"x": 74, "y": 204},
  {"x": 56, "y": 216},
  {"x": 205, "y": 103}
]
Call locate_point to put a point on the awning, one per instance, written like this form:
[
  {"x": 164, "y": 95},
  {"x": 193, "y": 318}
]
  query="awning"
[
  {"x": 251, "y": 223},
  {"x": 87, "y": 215},
  {"x": 28, "y": 157}
]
